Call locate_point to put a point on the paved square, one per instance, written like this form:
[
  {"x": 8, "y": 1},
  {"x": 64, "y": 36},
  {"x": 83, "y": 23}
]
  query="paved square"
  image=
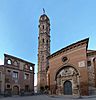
[{"x": 45, "y": 97}]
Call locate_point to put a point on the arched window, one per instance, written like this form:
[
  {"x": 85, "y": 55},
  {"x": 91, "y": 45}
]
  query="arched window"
[
  {"x": 15, "y": 63},
  {"x": 9, "y": 62},
  {"x": 31, "y": 68},
  {"x": 47, "y": 41},
  {"x": 43, "y": 26},
  {"x": 42, "y": 58},
  {"x": 89, "y": 63},
  {"x": 26, "y": 67},
  {"x": 43, "y": 40}
]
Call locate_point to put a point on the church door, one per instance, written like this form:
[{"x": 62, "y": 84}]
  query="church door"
[{"x": 67, "y": 88}]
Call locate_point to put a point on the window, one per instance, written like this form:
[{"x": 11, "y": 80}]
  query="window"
[
  {"x": 31, "y": 68},
  {"x": 42, "y": 58},
  {"x": 43, "y": 40},
  {"x": 8, "y": 86},
  {"x": 26, "y": 67},
  {"x": 0, "y": 76},
  {"x": 9, "y": 62},
  {"x": 26, "y": 76},
  {"x": 89, "y": 63},
  {"x": 15, "y": 74},
  {"x": 43, "y": 26},
  {"x": 64, "y": 59},
  {"x": 47, "y": 41},
  {"x": 15, "y": 63},
  {"x": 8, "y": 72},
  {"x": 7, "y": 80}
]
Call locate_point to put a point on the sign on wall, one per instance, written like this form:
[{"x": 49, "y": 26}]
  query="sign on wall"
[{"x": 81, "y": 64}]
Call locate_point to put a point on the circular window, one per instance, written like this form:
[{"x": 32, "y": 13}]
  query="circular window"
[{"x": 64, "y": 59}]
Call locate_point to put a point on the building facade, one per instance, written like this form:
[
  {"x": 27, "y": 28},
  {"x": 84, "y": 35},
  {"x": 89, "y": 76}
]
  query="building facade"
[
  {"x": 17, "y": 76},
  {"x": 91, "y": 65},
  {"x": 69, "y": 71}
]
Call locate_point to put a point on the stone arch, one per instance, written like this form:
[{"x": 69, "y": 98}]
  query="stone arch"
[
  {"x": 62, "y": 67},
  {"x": 16, "y": 63},
  {"x": 9, "y": 61},
  {"x": 67, "y": 73}
]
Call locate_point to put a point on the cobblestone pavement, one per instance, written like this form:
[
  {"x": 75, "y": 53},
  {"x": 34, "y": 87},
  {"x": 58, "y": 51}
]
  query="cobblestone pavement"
[{"x": 45, "y": 97}]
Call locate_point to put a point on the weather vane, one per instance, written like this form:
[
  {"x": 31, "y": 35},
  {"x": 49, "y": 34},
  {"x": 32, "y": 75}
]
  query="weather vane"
[{"x": 43, "y": 11}]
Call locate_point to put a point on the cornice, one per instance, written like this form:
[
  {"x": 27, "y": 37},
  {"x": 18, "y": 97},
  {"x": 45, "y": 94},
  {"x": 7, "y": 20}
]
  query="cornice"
[
  {"x": 84, "y": 41},
  {"x": 6, "y": 55}
]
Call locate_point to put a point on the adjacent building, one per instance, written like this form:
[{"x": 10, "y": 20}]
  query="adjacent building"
[{"x": 17, "y": 76}]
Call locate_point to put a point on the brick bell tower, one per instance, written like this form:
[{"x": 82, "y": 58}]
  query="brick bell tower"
[{"x": 43, "y": 50}]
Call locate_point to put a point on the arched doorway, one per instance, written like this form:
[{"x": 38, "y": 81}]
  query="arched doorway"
[
  {"x": 65, "y": 77},
  {"x": 15, "y": 90},
  {"x": 67, "y": 88}
]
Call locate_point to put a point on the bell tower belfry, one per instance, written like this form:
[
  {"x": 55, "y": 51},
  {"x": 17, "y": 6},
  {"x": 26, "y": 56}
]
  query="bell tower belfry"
[{"x": 43, "y": 50}]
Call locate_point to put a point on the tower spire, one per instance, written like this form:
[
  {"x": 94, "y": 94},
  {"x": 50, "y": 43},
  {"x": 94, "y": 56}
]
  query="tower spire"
[{"x": 43, "y": 11}]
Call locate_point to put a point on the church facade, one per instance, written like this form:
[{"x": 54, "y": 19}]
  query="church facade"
[{"x": 69, "y": 71}]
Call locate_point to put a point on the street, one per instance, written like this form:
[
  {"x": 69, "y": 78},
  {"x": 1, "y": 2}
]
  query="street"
[{"x": 45, "y": 97}]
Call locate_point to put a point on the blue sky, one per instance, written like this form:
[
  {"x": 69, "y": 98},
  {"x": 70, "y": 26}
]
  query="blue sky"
[{"x": 71, "y": 21}]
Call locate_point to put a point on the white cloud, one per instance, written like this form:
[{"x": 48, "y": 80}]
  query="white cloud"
[{"x": 1, "y": 62}]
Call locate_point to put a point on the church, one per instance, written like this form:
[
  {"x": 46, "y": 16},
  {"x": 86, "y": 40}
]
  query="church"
[{"x": 69, "y": 71}]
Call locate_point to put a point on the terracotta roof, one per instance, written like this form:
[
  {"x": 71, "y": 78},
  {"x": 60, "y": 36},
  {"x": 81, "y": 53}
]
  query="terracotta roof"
[
  {"x": 6, "y": 55},
  {"x": 69, "y": 47},
  {"x": 91, "y": 52}
]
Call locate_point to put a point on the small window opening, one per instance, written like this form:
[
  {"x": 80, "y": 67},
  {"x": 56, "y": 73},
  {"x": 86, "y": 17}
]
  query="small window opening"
[
  {"x": 43, "y": 40},
  {"x": 43, "y": 26},
  {"x": 31, "y": 68},
  {"x": 9, "y": 61},
  {"x": 8, "y": 86},
  {"x": 15, "y": 63},
  {"x": 89, "y": 63},
  {"x": 47, "y": 41}
]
